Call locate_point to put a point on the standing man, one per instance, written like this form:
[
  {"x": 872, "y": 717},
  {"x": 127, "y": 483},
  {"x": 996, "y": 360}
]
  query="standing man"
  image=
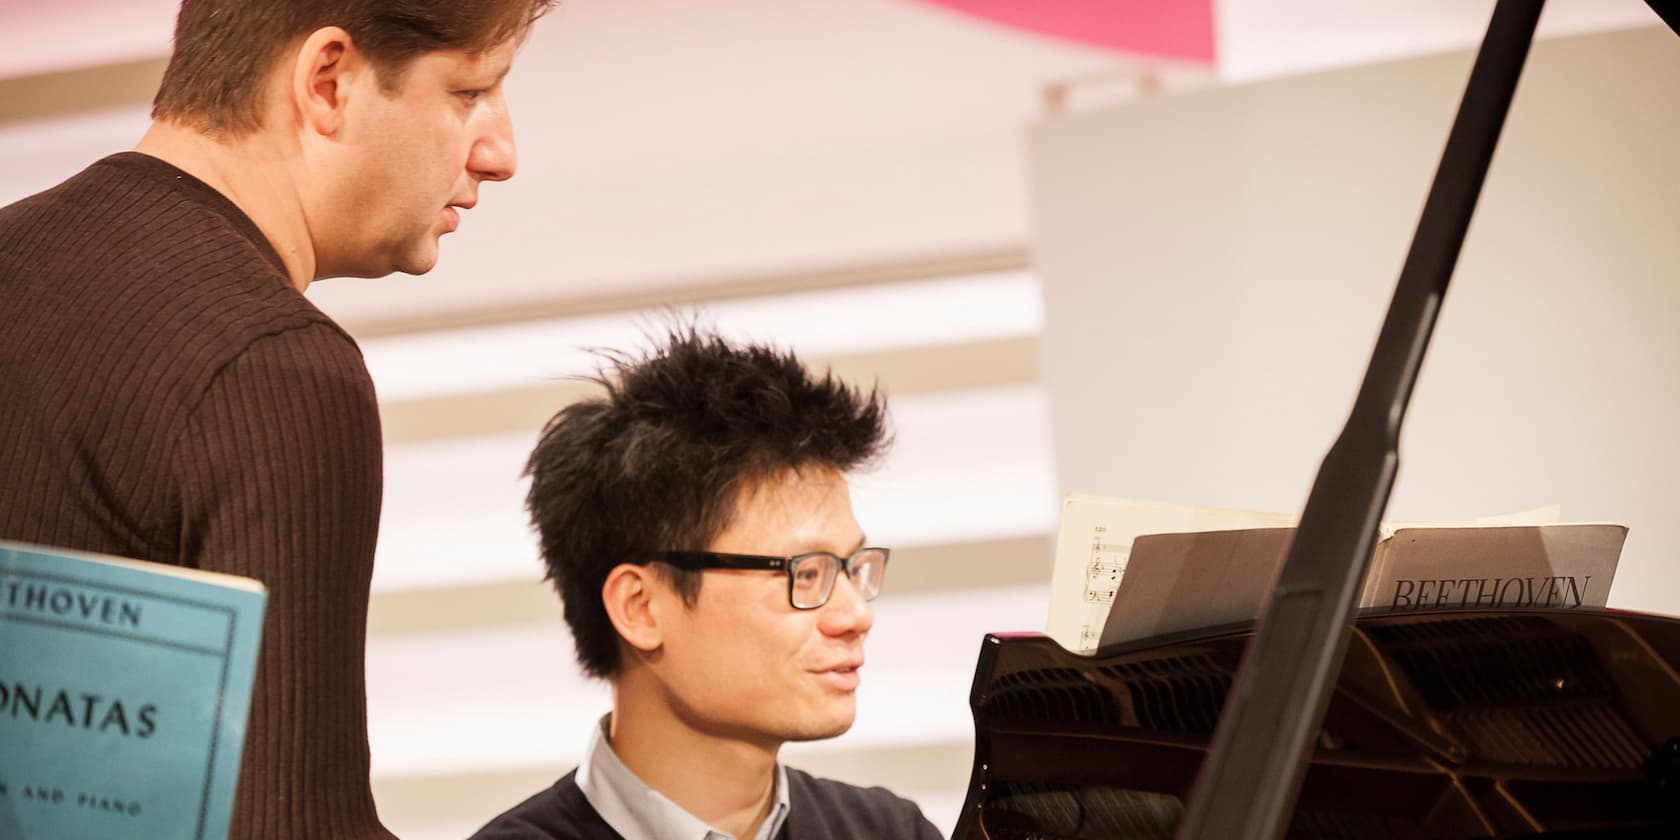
[
  {"x": 698, "y": 525},
  {"x": 167, "y": 393}
]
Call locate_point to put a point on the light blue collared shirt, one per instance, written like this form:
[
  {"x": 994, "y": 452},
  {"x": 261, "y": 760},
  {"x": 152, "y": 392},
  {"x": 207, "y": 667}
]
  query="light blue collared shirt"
[{"x": 637, "y": 811}]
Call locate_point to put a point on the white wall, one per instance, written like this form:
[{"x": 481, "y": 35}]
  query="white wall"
[{"x": 1216, "y": 265}]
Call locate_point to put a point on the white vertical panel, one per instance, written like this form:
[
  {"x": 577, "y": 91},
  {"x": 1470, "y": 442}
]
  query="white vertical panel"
[{"x": 1216, "y": 265}]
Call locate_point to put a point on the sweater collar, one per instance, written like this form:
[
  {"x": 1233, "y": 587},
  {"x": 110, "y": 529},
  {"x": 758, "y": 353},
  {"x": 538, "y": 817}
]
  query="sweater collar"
[
  {"x": 634, "y": 809},
  {"x": 202, "y": 194}
]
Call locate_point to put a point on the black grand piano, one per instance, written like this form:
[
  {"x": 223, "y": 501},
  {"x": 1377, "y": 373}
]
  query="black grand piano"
[
  {"x": 1443, "y": 725},
  {"x": 1317, "y": 722}
]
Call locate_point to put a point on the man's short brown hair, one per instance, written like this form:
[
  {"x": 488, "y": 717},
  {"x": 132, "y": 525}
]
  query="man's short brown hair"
[{"x": 225, "y": 49}]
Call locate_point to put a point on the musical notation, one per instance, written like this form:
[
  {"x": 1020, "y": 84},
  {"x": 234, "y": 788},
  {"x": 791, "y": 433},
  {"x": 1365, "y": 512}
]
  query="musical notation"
[
  {"x": 1089, "y": 637},
  {"x": 1103, "y": 571},
  {"x": 1102, "y": 576}
]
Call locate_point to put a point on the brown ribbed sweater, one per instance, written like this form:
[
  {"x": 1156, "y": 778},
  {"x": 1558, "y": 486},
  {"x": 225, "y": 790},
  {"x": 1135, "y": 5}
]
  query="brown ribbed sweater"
[{"x": 167, "y": 395}]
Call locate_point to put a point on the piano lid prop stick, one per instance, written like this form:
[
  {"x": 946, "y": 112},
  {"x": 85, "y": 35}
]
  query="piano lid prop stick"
[{"x": 1252, "y": 775}]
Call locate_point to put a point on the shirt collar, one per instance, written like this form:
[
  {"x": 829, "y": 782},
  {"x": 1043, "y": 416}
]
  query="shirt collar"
[{"x": 633, "y": 809}]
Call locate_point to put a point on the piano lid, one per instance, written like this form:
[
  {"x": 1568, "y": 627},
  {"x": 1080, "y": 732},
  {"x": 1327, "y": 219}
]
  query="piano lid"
[{"x": 1442, "y": 725}]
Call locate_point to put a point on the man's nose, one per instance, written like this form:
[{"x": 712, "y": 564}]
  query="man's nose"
[
  {"x": 494, "y": 157},
  {"x": 846, "y": 611}
]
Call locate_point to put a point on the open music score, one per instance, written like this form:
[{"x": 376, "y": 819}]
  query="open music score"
[
  {"x": 1093, "y": 548},
  {"x": 1106, "y": 587}
]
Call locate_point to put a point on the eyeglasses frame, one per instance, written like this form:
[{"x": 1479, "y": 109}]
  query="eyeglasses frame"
[{"x": 695, "y": 561}]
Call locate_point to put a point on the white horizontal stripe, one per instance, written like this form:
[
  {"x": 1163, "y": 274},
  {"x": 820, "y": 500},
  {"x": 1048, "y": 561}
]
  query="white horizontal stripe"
[
  {"x": 829, "y": 322},
  {"x": 967, "y": 466},
  {"x": 38, "y": 154},
  {"x": 512, "y": 698}
]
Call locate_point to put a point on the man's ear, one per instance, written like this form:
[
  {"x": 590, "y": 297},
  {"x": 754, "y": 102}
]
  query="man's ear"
[
  {"x": 321, "y": 72},
  {"x": 628, "y": 595}
]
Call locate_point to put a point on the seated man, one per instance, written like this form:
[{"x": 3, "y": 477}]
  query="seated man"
[{"x": 697, "y": 522}]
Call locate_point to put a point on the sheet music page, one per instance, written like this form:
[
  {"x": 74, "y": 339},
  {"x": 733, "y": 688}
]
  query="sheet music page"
[
  {"x": 1094, "y": 544},
  {"x": 1560, "y": 564}
]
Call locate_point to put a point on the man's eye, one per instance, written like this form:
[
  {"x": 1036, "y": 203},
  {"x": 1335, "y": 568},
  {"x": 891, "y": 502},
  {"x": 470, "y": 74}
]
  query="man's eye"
[{"x": 470, "y": 95}]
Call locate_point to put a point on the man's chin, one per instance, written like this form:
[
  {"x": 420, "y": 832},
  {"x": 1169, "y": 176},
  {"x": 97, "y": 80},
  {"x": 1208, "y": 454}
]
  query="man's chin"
[
  {"x": 806, "y": 735},
  {"x": 821, "y": 730},
  {"x": 417, "y": 264},
  {"x": 417, "y": 256}
]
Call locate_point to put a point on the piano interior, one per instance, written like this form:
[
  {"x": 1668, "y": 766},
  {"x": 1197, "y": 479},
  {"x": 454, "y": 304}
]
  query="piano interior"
[{"x": 1492, "y": 724}]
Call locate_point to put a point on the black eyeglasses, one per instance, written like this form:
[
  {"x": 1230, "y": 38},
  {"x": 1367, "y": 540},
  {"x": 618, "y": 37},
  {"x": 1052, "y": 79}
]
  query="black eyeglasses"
[{"x": 811, "y": 576}]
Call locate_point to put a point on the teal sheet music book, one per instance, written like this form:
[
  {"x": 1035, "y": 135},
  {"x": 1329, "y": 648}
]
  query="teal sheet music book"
[{"x": 124, "y": 691}]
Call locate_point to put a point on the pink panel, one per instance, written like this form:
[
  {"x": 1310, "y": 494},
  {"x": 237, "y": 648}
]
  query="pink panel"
[{"x": 1181, "y": 29}]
